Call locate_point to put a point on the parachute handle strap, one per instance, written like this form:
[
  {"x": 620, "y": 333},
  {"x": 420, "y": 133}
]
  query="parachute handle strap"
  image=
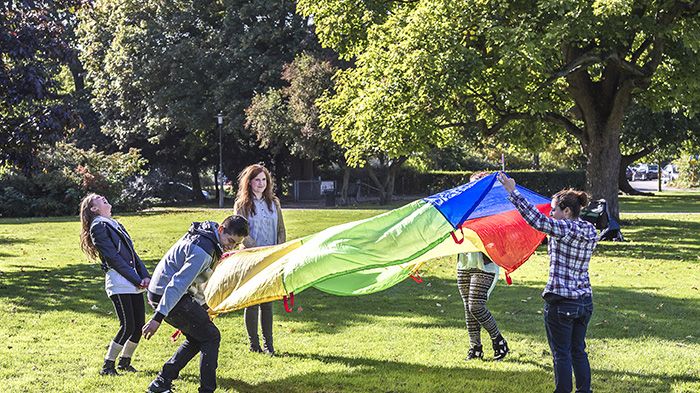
[
  {"x": 289, "y": 302},
  {"x": 454, "y": 237},
  {"x": 416, "y": 277}
]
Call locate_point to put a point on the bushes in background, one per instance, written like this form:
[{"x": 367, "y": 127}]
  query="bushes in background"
[{"x": 68, "y": 174}]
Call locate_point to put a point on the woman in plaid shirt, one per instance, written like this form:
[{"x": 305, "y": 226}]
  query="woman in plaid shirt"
[{"x": 568, "y": 299}]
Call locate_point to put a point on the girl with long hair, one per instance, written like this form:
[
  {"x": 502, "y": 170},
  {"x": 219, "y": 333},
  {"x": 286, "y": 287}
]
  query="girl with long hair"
[
  {"x": 256, "y": 202},
  {"x": 568, "y": 296},
  {"x": 126, "y": 277}
]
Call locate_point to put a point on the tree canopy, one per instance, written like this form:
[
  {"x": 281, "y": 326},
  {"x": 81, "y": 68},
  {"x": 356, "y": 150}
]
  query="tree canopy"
[
  {"x": 161, "y": 71},
  {"x": 447, "y": 69},
  {"x": 34, "y": 44}
]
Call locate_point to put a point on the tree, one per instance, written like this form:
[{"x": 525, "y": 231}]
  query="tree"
[
  {"x": 161, "y": 71},
  {"x": 288, "y": 118},
  {"x": 660, "y": 135},
  {"x": 34, "y": 43},
  {"x": 426, "y": 69}
]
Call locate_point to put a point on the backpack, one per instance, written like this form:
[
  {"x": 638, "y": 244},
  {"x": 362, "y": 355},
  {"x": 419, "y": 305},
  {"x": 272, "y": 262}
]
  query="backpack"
[{"x": 597, "y": 214}]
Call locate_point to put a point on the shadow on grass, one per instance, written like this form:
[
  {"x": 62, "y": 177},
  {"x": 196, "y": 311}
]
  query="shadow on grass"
[
  {"x": 78, "y": 287},
  {"x": 619, "y": 312},
  {"x": 373, "y": 375}
]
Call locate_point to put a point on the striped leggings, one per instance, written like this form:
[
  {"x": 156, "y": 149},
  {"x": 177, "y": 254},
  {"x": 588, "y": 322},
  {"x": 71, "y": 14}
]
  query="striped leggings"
[{"x": 474, "y": 286}]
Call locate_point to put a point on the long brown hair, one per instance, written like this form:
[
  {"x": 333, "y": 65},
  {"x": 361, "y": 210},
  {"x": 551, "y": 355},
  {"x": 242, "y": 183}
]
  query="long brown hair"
[
  {"x": 244, "y": 197},
  {"x": 86, "y": 218},
  {"x": 573, "y": 199}
]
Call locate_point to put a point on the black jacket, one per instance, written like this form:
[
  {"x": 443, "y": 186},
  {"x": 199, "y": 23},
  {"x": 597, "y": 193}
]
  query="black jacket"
[{"x": 117, "y": 252}]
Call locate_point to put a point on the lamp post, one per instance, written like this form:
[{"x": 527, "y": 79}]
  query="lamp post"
[{"x": 220, "y": 175}]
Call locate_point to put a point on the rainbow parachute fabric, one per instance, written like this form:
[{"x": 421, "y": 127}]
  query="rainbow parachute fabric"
[{"x": 371, "y": 255}]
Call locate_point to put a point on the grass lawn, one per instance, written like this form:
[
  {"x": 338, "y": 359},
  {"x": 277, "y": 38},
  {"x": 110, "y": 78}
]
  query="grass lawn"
[{"x": 55, "y": 319}]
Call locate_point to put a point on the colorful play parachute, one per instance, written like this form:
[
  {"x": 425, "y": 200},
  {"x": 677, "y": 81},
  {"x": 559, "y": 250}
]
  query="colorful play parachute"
[{"x": 374, "y": 254}]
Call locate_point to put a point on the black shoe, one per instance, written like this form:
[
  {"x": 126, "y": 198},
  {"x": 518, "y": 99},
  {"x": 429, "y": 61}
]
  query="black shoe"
[
  {"x": 160, "y": 385},
  {"x": 108, "y": 368},
  {"x": 255, "y": 349},
  {"x": 269, "y": 350},
  {"x": 475, "y": 352},
  {"x": 125, "y": 365},
  {"x": 500, "y": 348}
]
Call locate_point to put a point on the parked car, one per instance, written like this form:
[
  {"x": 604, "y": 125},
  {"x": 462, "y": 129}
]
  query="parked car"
[
  {"x": 639, "y": 172},
  {"x": 652, "y": 172},
  {"x": 628, "y": 173}
]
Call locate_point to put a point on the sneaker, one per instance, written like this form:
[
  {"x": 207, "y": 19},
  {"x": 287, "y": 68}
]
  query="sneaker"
[
  {"x": 108, "y": 368},
  {"x": 269, "y": 350},
  {"x": 475, "y": 352},
  {"x": 160, "y": 385},
  {"x": 500, "y": 348},
  {"x": 125, "y": 365}
]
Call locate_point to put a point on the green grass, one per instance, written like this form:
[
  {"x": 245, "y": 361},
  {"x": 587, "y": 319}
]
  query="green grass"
[
  {"x": 55, "y": 319},
  {"x": 662, "y": 202}
]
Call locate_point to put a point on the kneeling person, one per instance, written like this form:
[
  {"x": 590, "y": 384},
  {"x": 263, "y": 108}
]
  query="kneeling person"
[{"x": 186, "y": 262}]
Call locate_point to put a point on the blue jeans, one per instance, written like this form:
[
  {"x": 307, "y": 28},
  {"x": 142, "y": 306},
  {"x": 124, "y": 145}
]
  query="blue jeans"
[{"x": 566, "y": 321}]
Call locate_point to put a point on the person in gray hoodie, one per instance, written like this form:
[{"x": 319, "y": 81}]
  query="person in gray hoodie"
[{"x": 188, "y": 262}]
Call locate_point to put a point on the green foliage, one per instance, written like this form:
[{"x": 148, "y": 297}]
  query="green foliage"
[
  {"x": 69, "y": 173},
  {"x": 161, "y": 71},
  {"x": 688, "y": 170},
  {"x": 288, "y": 116},
  {"x": 412, "y": 182},
  {"x": 428, "y": 70}
]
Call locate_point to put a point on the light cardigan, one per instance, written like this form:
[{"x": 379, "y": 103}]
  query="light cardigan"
[{"x": 249, "y": 242}]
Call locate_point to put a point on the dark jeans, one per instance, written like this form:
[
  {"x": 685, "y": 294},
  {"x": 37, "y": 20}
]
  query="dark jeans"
[
  {"x": 251, "y": 313},
  {"x": 566, "y": 321},
  {"x": 201, "y": 336}
]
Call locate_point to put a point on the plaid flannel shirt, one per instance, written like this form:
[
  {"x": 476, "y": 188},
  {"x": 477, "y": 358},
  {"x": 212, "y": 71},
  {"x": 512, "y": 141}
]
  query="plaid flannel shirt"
[{"x": 570, "y": 246}]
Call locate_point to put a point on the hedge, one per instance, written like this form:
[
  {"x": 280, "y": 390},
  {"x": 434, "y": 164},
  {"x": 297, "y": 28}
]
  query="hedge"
[{"x": 410, "y": 182}]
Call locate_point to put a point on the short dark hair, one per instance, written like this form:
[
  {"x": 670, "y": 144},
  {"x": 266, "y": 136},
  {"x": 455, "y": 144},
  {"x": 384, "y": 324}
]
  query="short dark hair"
[{"x": 235, "y": 225}]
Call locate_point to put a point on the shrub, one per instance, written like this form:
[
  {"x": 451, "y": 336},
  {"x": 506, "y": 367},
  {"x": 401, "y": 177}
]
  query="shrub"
[
  {"x": 688, "y": 171},
  {"x": 68, "y": 173}
]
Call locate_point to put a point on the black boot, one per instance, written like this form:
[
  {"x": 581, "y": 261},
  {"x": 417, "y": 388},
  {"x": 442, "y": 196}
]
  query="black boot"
[
  {"x": 108, "y": 368},
  {"x": 475, "y": 352},
  {"x": 125, "y": 365},
  {"x": 500, "y": 348}
]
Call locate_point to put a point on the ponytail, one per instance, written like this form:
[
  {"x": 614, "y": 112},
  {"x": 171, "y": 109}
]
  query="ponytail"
[{"x": 573, "y": 199}]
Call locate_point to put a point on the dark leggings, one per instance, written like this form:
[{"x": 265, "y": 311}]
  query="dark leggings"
[
  {"x": 131, "y": 313},
  {"x": 251, "y": 325}
]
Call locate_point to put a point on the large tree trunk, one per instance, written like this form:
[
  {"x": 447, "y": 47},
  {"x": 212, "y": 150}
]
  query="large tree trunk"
[
  {"x": 601, "y": 104},
  {"x": 345, "y": 185},
  {"x": 603, "y": 167},
  {"x": 196, "y": 182}
]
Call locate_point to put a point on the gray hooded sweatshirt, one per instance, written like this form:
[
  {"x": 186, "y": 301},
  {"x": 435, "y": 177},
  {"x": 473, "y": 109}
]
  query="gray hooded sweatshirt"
[{"x": 189, "y": 260}]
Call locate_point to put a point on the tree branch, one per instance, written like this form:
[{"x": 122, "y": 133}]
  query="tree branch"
[
  {"x": 569, "y": 125},
  {"x": 630, "y": 158}
]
